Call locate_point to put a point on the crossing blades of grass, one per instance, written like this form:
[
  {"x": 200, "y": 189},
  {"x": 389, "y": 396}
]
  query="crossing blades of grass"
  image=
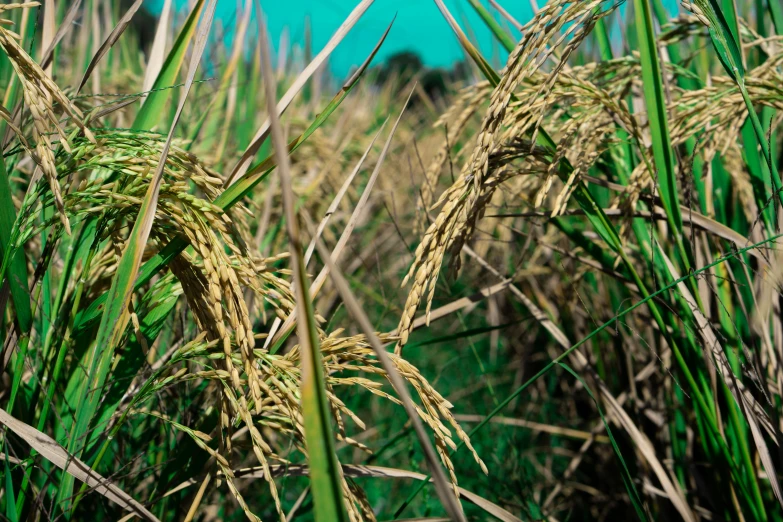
[
  {"x": 627, "y": 479},
  {"x": 339, "y": 196},
  {"x": 614, "y": 320},
  {"x": 276, "y": 338},
  {"x": 445, "y": 494},
  {"x": 263, "y": 132},
  {"x": 744, "y": 400}
]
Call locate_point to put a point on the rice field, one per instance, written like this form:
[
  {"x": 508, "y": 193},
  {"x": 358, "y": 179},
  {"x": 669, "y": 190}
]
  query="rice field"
[{"x": 233, "y": 286}]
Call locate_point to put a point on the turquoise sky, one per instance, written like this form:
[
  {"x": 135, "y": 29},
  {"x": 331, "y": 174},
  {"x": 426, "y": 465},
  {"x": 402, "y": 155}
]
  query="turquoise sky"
[{"x": 419, "y": 27}]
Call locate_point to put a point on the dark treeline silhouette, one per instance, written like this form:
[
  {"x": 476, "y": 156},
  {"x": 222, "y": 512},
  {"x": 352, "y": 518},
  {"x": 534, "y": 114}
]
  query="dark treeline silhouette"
[
  {"x": 405, "y": 66},
  {"x": 143, "y": 24}
]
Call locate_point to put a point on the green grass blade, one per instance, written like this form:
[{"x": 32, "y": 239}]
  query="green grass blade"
[
  {"x": 325, "y": 474},
  {"x": 15, "y": 267},
  {"x": 497, "y": 31},
  {"x": 150, "y": 113},
  {"x": 663, "y": 151},
  {"x": 486, "y": 69},
  {"x": 776, "y": 13},
  {"x": 10, "y": 506},
  {"x": 604, "y": 44}
]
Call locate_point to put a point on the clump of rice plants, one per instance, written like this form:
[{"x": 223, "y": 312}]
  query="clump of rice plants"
[
  {"x": 640, "y": 172},
  {"x": 221, "y": 277}
]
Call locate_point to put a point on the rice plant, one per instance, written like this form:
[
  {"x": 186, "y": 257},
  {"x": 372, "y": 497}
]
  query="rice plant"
[{"x": 222, "y": 290}]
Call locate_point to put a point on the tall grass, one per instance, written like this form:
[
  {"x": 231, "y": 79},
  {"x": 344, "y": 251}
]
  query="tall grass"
[{"x": 608, "y": 204}]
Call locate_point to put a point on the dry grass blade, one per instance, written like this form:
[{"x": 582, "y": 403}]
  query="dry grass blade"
[
  {"x": 540, "y": 316},
  {"x": 423, "y": 519},
  {"x": 65, "y": 26},
  {"x": 356, "y": 471},
  {"x": 536, "y": 426},
  {"x": 384, "y": 472},
  {"x": 58, "y": 456},
  {"x": 457, "y": 305},
  {"x": 110, "y": 40},
  {"x": 112, "y": 107},
  {"x": 647, "y": 450},
  {"x": 513, "y": 21},
  {"x": 355, "y": 310},
  {"x": 380, "y": 471},
  {"x": 690, "y": 217},
  {"x": 263, "y": 132},
  {"x": 47, "y": 34}
]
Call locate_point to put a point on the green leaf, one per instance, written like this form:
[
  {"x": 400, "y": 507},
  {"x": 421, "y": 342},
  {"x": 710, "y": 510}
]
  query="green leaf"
[
  {"x": 14, "y": 265},
  {"x": 150, "y": 113},
  {"x": 776, "y": 13},
  {"x": 663, "y": 151},
  {"x": 497, "y": 31},
  {"x": 723, "y": 39},
  {"x": 10, "y": 505}
]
